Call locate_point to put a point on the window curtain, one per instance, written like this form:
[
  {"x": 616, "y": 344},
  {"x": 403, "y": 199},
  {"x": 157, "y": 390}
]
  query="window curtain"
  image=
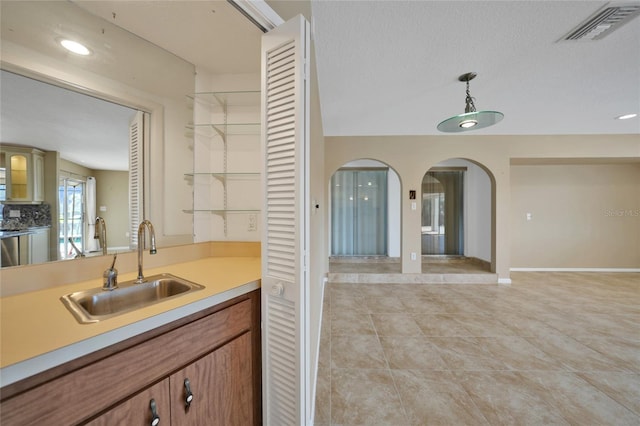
[
  {"x": 443, "y": 205},
  {"x": 91, "y": 244},
  {"x": 359, "y": 212}
]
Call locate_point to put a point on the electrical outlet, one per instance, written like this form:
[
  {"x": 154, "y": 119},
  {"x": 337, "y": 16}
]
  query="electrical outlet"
[
  {"x": 413, "y": 256},
  {"x": 253, "y": 223}
]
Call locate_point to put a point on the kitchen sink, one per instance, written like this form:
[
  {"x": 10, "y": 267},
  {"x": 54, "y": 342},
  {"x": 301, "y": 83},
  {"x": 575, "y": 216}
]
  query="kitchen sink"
[{"x": 95, "y": 305}]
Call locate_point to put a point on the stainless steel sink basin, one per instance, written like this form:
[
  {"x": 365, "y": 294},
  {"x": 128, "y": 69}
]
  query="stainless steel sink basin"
[{"x": 95, "y": 305}]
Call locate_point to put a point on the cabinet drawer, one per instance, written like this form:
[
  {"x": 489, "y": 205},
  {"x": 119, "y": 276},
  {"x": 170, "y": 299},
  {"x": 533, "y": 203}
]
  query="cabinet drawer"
[{"x": 83, "y": 393}]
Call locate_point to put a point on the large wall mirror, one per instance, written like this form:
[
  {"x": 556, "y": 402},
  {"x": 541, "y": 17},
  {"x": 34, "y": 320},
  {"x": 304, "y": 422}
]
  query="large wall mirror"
[{"x": 78, "y": 110}]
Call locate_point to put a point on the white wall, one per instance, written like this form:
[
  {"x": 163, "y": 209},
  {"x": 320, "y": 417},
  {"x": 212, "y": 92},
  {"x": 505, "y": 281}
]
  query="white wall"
[
  {"x": 243, "y": 155},
  {"x": 393, "y": 213}
]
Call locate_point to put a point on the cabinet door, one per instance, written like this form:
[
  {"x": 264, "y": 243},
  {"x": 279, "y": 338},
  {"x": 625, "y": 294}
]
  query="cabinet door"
[
  {"x": 136, "y": 411},
  {"x": 18, "y": 166},
  {"x": 38, "y": 177},
  {"x": 221, "y": 385}
]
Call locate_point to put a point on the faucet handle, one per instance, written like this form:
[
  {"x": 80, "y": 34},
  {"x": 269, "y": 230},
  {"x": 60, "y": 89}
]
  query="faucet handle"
[{"x": 110, "y": 277}]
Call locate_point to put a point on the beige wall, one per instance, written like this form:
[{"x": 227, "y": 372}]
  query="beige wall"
[
  {"x": 112, "y": 192},
  {"x": 73, "y": 170},
  {"x": 582, "y": 216},
  {"x": 412, "y": 156}
]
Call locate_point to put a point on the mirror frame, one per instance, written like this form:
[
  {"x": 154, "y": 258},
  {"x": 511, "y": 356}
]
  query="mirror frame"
[{"x": 110, "y": 92}]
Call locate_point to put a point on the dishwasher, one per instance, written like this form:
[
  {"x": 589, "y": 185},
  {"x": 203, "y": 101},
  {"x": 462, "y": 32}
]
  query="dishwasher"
[{"x": 10, "y": 251}]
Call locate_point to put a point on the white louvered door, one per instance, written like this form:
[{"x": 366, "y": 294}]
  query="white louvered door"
[
  {"x": 136, "y": 142},
  {"x": 285, "y": 138}
]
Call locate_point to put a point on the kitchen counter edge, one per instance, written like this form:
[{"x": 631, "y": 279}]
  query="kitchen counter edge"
[{"x": 21, "y": 370}]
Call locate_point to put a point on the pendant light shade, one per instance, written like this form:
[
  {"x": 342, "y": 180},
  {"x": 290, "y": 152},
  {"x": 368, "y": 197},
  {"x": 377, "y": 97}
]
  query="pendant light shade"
[{"x": 471, "y": 119}]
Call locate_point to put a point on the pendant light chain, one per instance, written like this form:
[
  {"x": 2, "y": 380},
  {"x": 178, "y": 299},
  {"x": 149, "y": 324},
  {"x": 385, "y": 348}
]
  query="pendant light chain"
[
  {"x": 470, "y": 119},
  {"x": 470, "y": 106}
]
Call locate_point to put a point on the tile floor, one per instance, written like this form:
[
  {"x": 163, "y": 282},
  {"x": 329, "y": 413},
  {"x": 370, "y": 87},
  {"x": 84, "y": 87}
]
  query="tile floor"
[
  {"x": 552, "y": 348},
  {"x": 386, "y": 265}
]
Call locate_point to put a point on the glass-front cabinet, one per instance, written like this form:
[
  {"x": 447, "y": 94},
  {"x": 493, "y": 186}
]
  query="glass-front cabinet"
[{"x": 23, "y": 174}]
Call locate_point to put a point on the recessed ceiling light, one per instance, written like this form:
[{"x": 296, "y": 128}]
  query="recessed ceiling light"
[
  {"x": 626, "y": 116},
  {"x": 75, "y": 47}
]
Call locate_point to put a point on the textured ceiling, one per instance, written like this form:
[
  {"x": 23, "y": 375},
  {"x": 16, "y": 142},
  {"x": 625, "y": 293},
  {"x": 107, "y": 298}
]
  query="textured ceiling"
[{"x": 391, "y": 67}]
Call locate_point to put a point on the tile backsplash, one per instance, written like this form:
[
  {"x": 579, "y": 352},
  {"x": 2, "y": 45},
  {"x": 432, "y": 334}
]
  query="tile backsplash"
[{"x": 29, "y": 215}]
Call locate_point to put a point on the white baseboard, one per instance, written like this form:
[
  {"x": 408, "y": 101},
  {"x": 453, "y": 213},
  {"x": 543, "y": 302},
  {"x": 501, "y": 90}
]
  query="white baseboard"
[{"x": 574, "y": 269}]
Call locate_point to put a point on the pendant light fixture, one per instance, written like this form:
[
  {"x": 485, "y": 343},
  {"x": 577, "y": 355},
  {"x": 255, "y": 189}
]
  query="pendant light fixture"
[{"x": 471, "y": 119}]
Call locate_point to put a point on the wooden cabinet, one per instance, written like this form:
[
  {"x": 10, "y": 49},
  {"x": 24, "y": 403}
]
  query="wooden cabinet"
[
  {"x": 137, "y": 410},
  {"x": 216, "y": 350},
  {"x": 24, "y": 174},
  {"x": 219, "y": 385}
]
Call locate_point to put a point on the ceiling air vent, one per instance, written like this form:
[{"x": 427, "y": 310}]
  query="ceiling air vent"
[{"x": 604, "y": 22}]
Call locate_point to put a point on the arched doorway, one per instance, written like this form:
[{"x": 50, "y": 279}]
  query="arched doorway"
[
  {"x": 365, "y": 210},
  {"x": 457, "y": 213},
  {"x": 442, "y": 212}
]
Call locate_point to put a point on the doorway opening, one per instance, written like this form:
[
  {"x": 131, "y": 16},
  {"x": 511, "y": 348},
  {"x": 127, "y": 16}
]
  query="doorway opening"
[
  {"x": 71, "y": 238},
  {"x": 442, "y": 212},
  {"x": 365, "y": 219},
  {"x": 457, "y": 224}
]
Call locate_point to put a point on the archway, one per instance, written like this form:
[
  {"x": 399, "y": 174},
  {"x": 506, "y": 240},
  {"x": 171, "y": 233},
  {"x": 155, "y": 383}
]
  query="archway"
[
  {"x": 458, "y": 204},
  {"x": 365, "y": 218}
]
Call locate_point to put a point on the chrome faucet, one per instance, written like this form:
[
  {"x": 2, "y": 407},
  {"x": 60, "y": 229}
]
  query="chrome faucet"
[
  {"x": 100, "y": 234},
  {"x": 152, "y": 249},
  {"x": 79, "y": 252}
]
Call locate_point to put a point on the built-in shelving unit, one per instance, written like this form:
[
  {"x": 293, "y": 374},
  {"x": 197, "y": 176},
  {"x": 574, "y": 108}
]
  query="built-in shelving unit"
[{"x": 223, "y": 121}]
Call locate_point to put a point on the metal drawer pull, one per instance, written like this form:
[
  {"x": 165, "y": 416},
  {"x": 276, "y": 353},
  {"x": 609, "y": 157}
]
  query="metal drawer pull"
[
  {"x": 155, "y": 419},
  {"x": 188, "y": 394}
]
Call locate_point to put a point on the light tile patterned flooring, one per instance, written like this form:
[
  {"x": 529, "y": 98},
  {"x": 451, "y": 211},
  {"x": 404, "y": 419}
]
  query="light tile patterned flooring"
[
  {"x": 552, "y": 348},
  {"x": 385, "y": 265}
]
